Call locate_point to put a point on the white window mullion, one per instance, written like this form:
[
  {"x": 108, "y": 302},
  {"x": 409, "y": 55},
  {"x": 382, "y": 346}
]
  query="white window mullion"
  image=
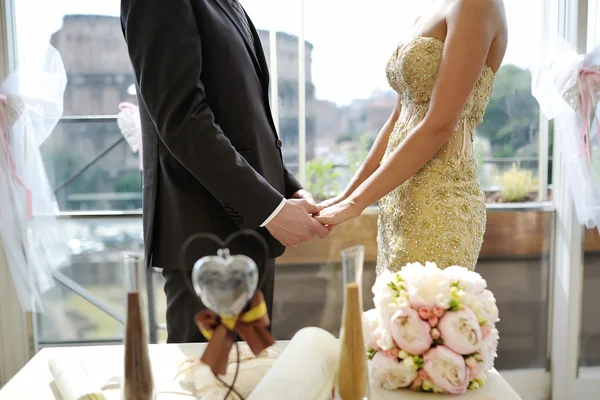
[
  {"x": 301, "y": 99},
  {"x": 568, "y": 251},
  {"x": 274, "y": 78},
  {"x": 543, "y": 123}
]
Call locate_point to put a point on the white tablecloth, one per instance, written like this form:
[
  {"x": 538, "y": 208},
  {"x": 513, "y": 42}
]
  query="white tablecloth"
[{"x": 35, "y": 381}]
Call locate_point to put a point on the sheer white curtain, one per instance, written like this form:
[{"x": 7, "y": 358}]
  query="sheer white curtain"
[{"x": 16, "y": 333}]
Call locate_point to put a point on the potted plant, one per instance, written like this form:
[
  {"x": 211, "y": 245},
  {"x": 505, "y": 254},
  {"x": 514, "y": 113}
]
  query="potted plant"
[
  {"x": 322, "y": 179},
  {"x": 516, "y": 231}
]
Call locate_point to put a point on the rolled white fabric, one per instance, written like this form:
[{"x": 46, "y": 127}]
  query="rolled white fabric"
[
  {"x": 304, "y": 371},
  {"x": 72, "y": 380}
]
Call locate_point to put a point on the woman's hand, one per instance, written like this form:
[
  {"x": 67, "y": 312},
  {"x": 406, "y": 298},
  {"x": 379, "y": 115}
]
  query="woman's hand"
[
  {"x": 339, "y": 213},
  {"x": 333, "y": 201}
]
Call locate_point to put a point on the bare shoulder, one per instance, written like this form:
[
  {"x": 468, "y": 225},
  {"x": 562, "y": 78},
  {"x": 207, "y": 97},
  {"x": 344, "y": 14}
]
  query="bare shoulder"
[
  {"x": 490, "y": 12},
  {"x": 487, "y": 18}
]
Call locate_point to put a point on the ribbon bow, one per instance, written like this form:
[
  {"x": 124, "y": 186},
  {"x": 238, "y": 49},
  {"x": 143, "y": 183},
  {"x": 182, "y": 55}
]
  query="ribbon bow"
[
  {"x": 137, "y": 126},
  {"x": 251, "y": 325},
  {"x": 588, "y": 85}
]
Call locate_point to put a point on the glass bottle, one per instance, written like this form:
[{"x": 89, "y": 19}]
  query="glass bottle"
[
  {"x": 137, "y": 383},
  {"x": 353, "y": 374}
]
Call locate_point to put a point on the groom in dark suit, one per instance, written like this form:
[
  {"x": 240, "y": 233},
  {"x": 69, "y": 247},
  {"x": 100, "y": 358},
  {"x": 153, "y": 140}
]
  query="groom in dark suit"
[{"x": 212, "y": 158}]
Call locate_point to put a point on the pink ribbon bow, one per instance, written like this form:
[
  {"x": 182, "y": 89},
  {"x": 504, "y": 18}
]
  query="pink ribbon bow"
[
  {"x": 138, "y": 128},
  {"x": 588, "y": 83},
  {"x": 9, "y": 156}
]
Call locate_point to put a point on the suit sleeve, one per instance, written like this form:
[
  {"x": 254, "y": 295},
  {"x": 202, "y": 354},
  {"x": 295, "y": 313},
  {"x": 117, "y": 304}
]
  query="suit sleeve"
[{"x": 165, "y": 49}]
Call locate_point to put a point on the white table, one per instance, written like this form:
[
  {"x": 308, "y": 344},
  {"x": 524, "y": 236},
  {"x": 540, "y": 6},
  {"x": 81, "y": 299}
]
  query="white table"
[{"x": 35, "y": 381}]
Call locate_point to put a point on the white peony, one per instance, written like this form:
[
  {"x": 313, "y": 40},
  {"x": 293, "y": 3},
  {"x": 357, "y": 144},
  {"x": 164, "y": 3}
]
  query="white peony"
[
  {"x": 370, "y": 322},
  {"x": 385, "y": 340},
  {"x": 388, "y": 373},
  {"x": 411, "y": 272},
  {"x": 382, "y": 282},
  {"x": 489, "y": 348},
  {"x": 385, "y": 298},
  {"x": 442, "y": 300},
  {"x": 485, "y": 307},
  {"x": 425, "y": 287},
  {"x": 472, "y": 282}
]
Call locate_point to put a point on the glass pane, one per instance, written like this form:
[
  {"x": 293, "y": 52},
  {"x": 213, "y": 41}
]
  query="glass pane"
[
  {"x": 91, "y": 167},
  {"x": 97, "y": 248},
  {"x": 88, "y": 161},
  {"x": 280, "y": 21},
  {"x": 590, "y": 324},
  {"x": 507, "y": 143}
]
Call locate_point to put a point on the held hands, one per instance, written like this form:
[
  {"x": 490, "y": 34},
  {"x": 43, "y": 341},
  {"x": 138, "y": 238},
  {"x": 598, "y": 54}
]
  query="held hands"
[
  {"x": 301, "y": 218},
  {"x": 294, "y": 224},
  {"x": 338, "y": 211}
]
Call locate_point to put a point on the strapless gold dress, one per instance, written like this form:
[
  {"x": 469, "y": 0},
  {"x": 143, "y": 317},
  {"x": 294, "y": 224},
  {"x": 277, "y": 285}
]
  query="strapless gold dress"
[{"x": 439, "y": 214}]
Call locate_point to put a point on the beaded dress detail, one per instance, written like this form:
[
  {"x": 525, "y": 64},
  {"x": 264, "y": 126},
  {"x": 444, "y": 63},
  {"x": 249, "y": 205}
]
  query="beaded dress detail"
[{"x": 438, "y": 214}]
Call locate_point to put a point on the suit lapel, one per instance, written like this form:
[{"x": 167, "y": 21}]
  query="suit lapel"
[
  {"x": 252, "y": 49},
  {"x": 260, "y": 54}
]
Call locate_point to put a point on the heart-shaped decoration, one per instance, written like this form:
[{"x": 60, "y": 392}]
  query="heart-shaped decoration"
[{"x": 225, "y": 283}]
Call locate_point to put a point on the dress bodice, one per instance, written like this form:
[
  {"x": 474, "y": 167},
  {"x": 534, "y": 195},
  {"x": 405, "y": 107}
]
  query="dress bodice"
[
  {"x": 412, "y": 72},
  {"x": 438, "y": 214}
]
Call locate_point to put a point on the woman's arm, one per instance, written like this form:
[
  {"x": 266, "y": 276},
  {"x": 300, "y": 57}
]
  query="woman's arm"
[
  {"x": 471, "y": 30},
  {"x": 373, "y": 159}
]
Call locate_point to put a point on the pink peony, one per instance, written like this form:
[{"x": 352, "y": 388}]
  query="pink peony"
[
  {"x": 461, "y": 331},
  {"x": 446, "y": 369},
  {"x": 390, "y": 374},
  {"x": 410, "y": 332},
  {"x": 435, "y": 334},
  {"x": 433, "y": 321},
  {"x": 423, "y": 375}
]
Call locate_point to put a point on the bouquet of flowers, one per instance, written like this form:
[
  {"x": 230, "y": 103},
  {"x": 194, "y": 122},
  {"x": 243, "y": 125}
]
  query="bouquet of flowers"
[{"x": 432, "y": 330}]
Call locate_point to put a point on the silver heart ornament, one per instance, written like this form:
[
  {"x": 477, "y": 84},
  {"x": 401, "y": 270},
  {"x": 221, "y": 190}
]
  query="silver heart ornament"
[{"x": 225, "y": 283}]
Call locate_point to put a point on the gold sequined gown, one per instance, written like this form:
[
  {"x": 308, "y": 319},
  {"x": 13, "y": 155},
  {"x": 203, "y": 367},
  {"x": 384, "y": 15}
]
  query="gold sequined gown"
[{"x": 439, "y": 214}]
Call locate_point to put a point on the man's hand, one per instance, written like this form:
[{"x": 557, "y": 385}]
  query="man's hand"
[
  {"x": 304, "y": 194},
  {"x": 294, "y": 224}
]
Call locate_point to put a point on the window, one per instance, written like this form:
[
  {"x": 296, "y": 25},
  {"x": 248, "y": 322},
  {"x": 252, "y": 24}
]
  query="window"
[
  {"x": 329, "y": 98},
  {"x": 89, "y": 163}
]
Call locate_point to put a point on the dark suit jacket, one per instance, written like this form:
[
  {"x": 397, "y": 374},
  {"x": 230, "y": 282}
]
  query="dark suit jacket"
[{"x": 212, "y": 158}]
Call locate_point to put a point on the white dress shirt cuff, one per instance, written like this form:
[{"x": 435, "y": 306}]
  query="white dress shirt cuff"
[{"x": 274, "y": 213}]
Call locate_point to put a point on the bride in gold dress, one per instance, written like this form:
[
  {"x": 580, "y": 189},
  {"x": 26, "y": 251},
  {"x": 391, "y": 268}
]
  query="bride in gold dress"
[{"x": 421, "y": 167}]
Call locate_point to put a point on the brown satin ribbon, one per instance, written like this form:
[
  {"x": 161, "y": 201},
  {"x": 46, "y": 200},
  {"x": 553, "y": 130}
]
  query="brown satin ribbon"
[{"x": 251, "y": 325}]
